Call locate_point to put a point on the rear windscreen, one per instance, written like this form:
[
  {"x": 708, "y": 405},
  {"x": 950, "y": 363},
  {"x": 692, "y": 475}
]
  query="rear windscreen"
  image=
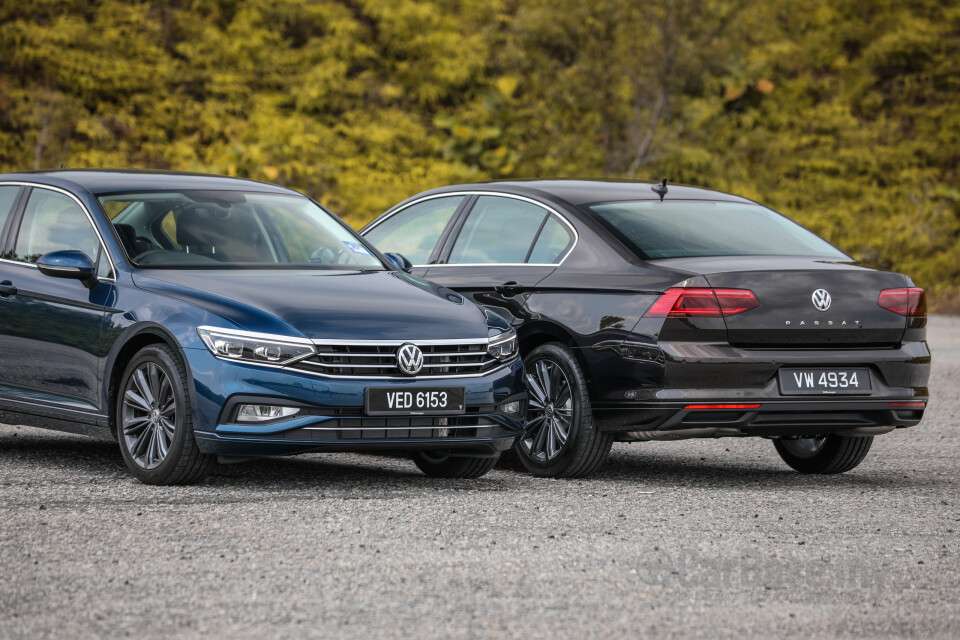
[{"x": 691, "y": 228}]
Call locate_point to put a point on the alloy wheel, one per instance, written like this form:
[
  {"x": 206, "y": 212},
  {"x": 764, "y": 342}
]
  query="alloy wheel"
[
  {"x": 149, "y": 415},
  {"x": 550, "y": 416}
]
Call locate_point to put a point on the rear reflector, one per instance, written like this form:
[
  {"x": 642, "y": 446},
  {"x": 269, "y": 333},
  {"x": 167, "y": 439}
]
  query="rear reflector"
[
  {"x": 908, "y": 405},
  {"x": 722, "y": 406},
  {"x": 702, "y": 302},
  {"x": 910, "y": 302}
]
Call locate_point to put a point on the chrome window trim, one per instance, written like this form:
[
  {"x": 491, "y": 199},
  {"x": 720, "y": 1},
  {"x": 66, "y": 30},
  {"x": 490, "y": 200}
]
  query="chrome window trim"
[
  {"x": 573, "y": 230},
  {"x": 103, "y": 245}
]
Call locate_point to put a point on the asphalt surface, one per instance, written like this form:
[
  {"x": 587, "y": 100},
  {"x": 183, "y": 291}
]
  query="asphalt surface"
[{"x": 685, "y": 539}]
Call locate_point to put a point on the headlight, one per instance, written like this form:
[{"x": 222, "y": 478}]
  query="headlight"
[
  {"x": 504, "y": 346},
  {"x": 245, "y": 346}
]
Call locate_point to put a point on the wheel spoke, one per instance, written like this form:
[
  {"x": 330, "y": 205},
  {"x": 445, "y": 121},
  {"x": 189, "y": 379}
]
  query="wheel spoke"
[
  {"x": 551, "y": 443},
  {"x": 133, "y": 426},
  {"x": 139, "y": 445},
  {"x": 563, "y": 397},
  {"x": 162, "y": 444},
  {"x": 543, "y": 372},
  {"x": 154, "y": 382},
  {"x": 539, "y": 442},
  {"x": 539, "y": 395},
  {"x": 151, "y": 455},
  {"x": 132, "y": 399},
  {"x": 164, "y": 395},
  {"x": 168, "y": 429},
  {"x": 143, "y": 387}
]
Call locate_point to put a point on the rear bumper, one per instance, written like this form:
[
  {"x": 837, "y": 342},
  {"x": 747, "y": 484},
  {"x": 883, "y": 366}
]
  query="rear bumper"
[
  {"x": 706, "y": 374},
  {"x": 768, "y": 418}
]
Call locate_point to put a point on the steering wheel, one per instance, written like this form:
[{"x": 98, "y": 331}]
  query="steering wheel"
[
  {"x": 332, "y": 255},
  {"x": 140, "y": 256}
]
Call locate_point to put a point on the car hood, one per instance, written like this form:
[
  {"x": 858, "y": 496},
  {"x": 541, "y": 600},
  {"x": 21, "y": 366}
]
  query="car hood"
[{"x": 341, "y": 305}]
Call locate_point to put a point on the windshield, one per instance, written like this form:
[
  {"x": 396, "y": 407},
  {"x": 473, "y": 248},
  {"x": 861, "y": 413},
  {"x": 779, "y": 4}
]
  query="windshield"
[
  {"x": 691, "y": 228},
  {"x": 218, "y": 229}
]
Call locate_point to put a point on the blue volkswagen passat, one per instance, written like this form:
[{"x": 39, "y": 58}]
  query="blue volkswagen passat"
[{"x": 191, "y": 316}]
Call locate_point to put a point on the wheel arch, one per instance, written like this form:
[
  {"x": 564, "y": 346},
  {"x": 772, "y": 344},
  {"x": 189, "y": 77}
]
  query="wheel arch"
[{"x": 125, "y": 348}]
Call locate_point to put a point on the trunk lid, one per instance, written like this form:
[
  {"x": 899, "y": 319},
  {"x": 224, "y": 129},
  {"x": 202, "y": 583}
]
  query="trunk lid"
[{"x": 788, "y": 315}]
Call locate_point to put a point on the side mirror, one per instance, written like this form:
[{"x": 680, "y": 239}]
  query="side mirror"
[
  {"x": 75, "y": 265},
  {"x": 402, "y": 263}
]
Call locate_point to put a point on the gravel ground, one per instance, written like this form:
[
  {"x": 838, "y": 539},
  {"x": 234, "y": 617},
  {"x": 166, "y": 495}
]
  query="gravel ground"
[{"x": 683, "y": 539}]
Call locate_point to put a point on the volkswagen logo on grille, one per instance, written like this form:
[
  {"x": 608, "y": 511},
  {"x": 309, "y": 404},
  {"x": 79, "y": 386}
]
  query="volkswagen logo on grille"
[
  {"x": 409, "y": 359},
  {"x": 821, "y": 299}
]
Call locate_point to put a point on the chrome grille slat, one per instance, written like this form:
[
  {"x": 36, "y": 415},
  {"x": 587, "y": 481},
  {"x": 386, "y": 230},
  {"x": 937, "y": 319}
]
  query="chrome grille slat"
[{"x": 378, "y": 359}]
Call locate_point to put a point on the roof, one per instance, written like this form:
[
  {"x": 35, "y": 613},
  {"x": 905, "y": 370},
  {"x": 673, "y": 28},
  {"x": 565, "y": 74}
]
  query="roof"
[
  {"x": 100, "y": 181},
  {"x": 579, "y": 192}
]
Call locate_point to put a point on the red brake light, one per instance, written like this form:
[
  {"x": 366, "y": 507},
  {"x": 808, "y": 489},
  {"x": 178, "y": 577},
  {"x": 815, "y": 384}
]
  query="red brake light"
[
  {"x": 910, "y": 302},
  {"x": 910, "y": 405},
  {"x": 702, "y": 302},
  {"x": 722, "y": 406}
]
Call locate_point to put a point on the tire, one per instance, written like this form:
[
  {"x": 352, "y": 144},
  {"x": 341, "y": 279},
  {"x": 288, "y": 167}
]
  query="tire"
[
  {"x": 561, "y": 440},
  {"x": 825, "y": 454},
  {"x": 154, "y": 420},
  {"x": 439, "y": 466}
]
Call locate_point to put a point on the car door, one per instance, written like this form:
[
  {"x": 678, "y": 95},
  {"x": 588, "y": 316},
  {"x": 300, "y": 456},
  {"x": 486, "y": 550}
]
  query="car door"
[
  {"x": 418, "y": 230},
  {"x": 500, "y": 249},
  {"x": 50, "y": 327}
]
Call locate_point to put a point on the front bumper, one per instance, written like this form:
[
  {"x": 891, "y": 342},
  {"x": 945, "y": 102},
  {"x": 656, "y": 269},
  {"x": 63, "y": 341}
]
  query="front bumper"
[{"x": 332, "y": 416}]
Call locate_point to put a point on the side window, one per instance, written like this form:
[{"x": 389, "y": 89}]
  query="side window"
[
  {"x": 414, "y": 232},
  {"x": 8, "y": 196},
  {"x": 498, "y": 230},
  {"x": 552, "y": 243},
  {"x": 54, "y": 222}
]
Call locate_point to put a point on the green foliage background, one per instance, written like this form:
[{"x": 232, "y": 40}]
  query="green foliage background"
[{"x": 843, "y": 114}]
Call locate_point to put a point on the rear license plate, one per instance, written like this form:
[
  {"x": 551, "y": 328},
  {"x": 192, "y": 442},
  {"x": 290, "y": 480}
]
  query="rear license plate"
[
  {"x": 819, "y": 382},
  {"x": 419, "y": 401}
]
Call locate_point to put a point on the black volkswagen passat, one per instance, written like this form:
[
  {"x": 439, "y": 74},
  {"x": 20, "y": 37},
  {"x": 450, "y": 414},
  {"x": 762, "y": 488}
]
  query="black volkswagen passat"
[
  {"x": 190, "y": 316},
  {"x": 648, "y": 312}
]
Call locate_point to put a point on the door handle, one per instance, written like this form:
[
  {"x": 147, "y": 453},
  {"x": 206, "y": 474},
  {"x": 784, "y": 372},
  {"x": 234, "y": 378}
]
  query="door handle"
[
  {"x": 508, "y": 289},
  {"x": 7, "y": 289}
]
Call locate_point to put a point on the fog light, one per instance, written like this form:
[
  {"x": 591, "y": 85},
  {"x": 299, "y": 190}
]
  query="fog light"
[
  {"x": 512, "y": 408},
  {"x": 264, "y": 412}
]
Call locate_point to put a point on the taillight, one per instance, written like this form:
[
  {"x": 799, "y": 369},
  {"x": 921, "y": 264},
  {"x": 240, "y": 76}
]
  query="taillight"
[
  {"x": 702, "y": 302},
  {"x": 721, "y": 406},
  {"x": 910, "y": 302}
]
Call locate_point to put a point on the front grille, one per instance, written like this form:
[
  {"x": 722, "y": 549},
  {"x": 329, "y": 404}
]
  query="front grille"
[{"x": 380, "y": 360}]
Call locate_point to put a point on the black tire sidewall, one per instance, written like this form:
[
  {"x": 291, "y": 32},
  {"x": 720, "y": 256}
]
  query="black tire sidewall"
[
  {"x": 166, "y": 360},
  {"x": 582, "y": 415},
  {"x": 838, "y": 454},
  {"x": 453, "y": 466}
]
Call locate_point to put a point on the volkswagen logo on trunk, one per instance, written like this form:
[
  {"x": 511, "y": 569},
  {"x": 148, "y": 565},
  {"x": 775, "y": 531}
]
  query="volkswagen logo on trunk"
[
  {"x": 409, "y": 359},
  {"x": 821, "y": 299}
]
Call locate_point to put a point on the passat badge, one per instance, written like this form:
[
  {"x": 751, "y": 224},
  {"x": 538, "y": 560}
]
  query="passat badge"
[
  {"x": 821, "y": 299},
  {"x": 409, "y": 359}
]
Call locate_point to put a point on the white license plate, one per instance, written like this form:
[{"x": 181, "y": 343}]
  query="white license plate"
[
  {"x": 825, "y": 381},
  {"x": 418, "y": 401}
]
